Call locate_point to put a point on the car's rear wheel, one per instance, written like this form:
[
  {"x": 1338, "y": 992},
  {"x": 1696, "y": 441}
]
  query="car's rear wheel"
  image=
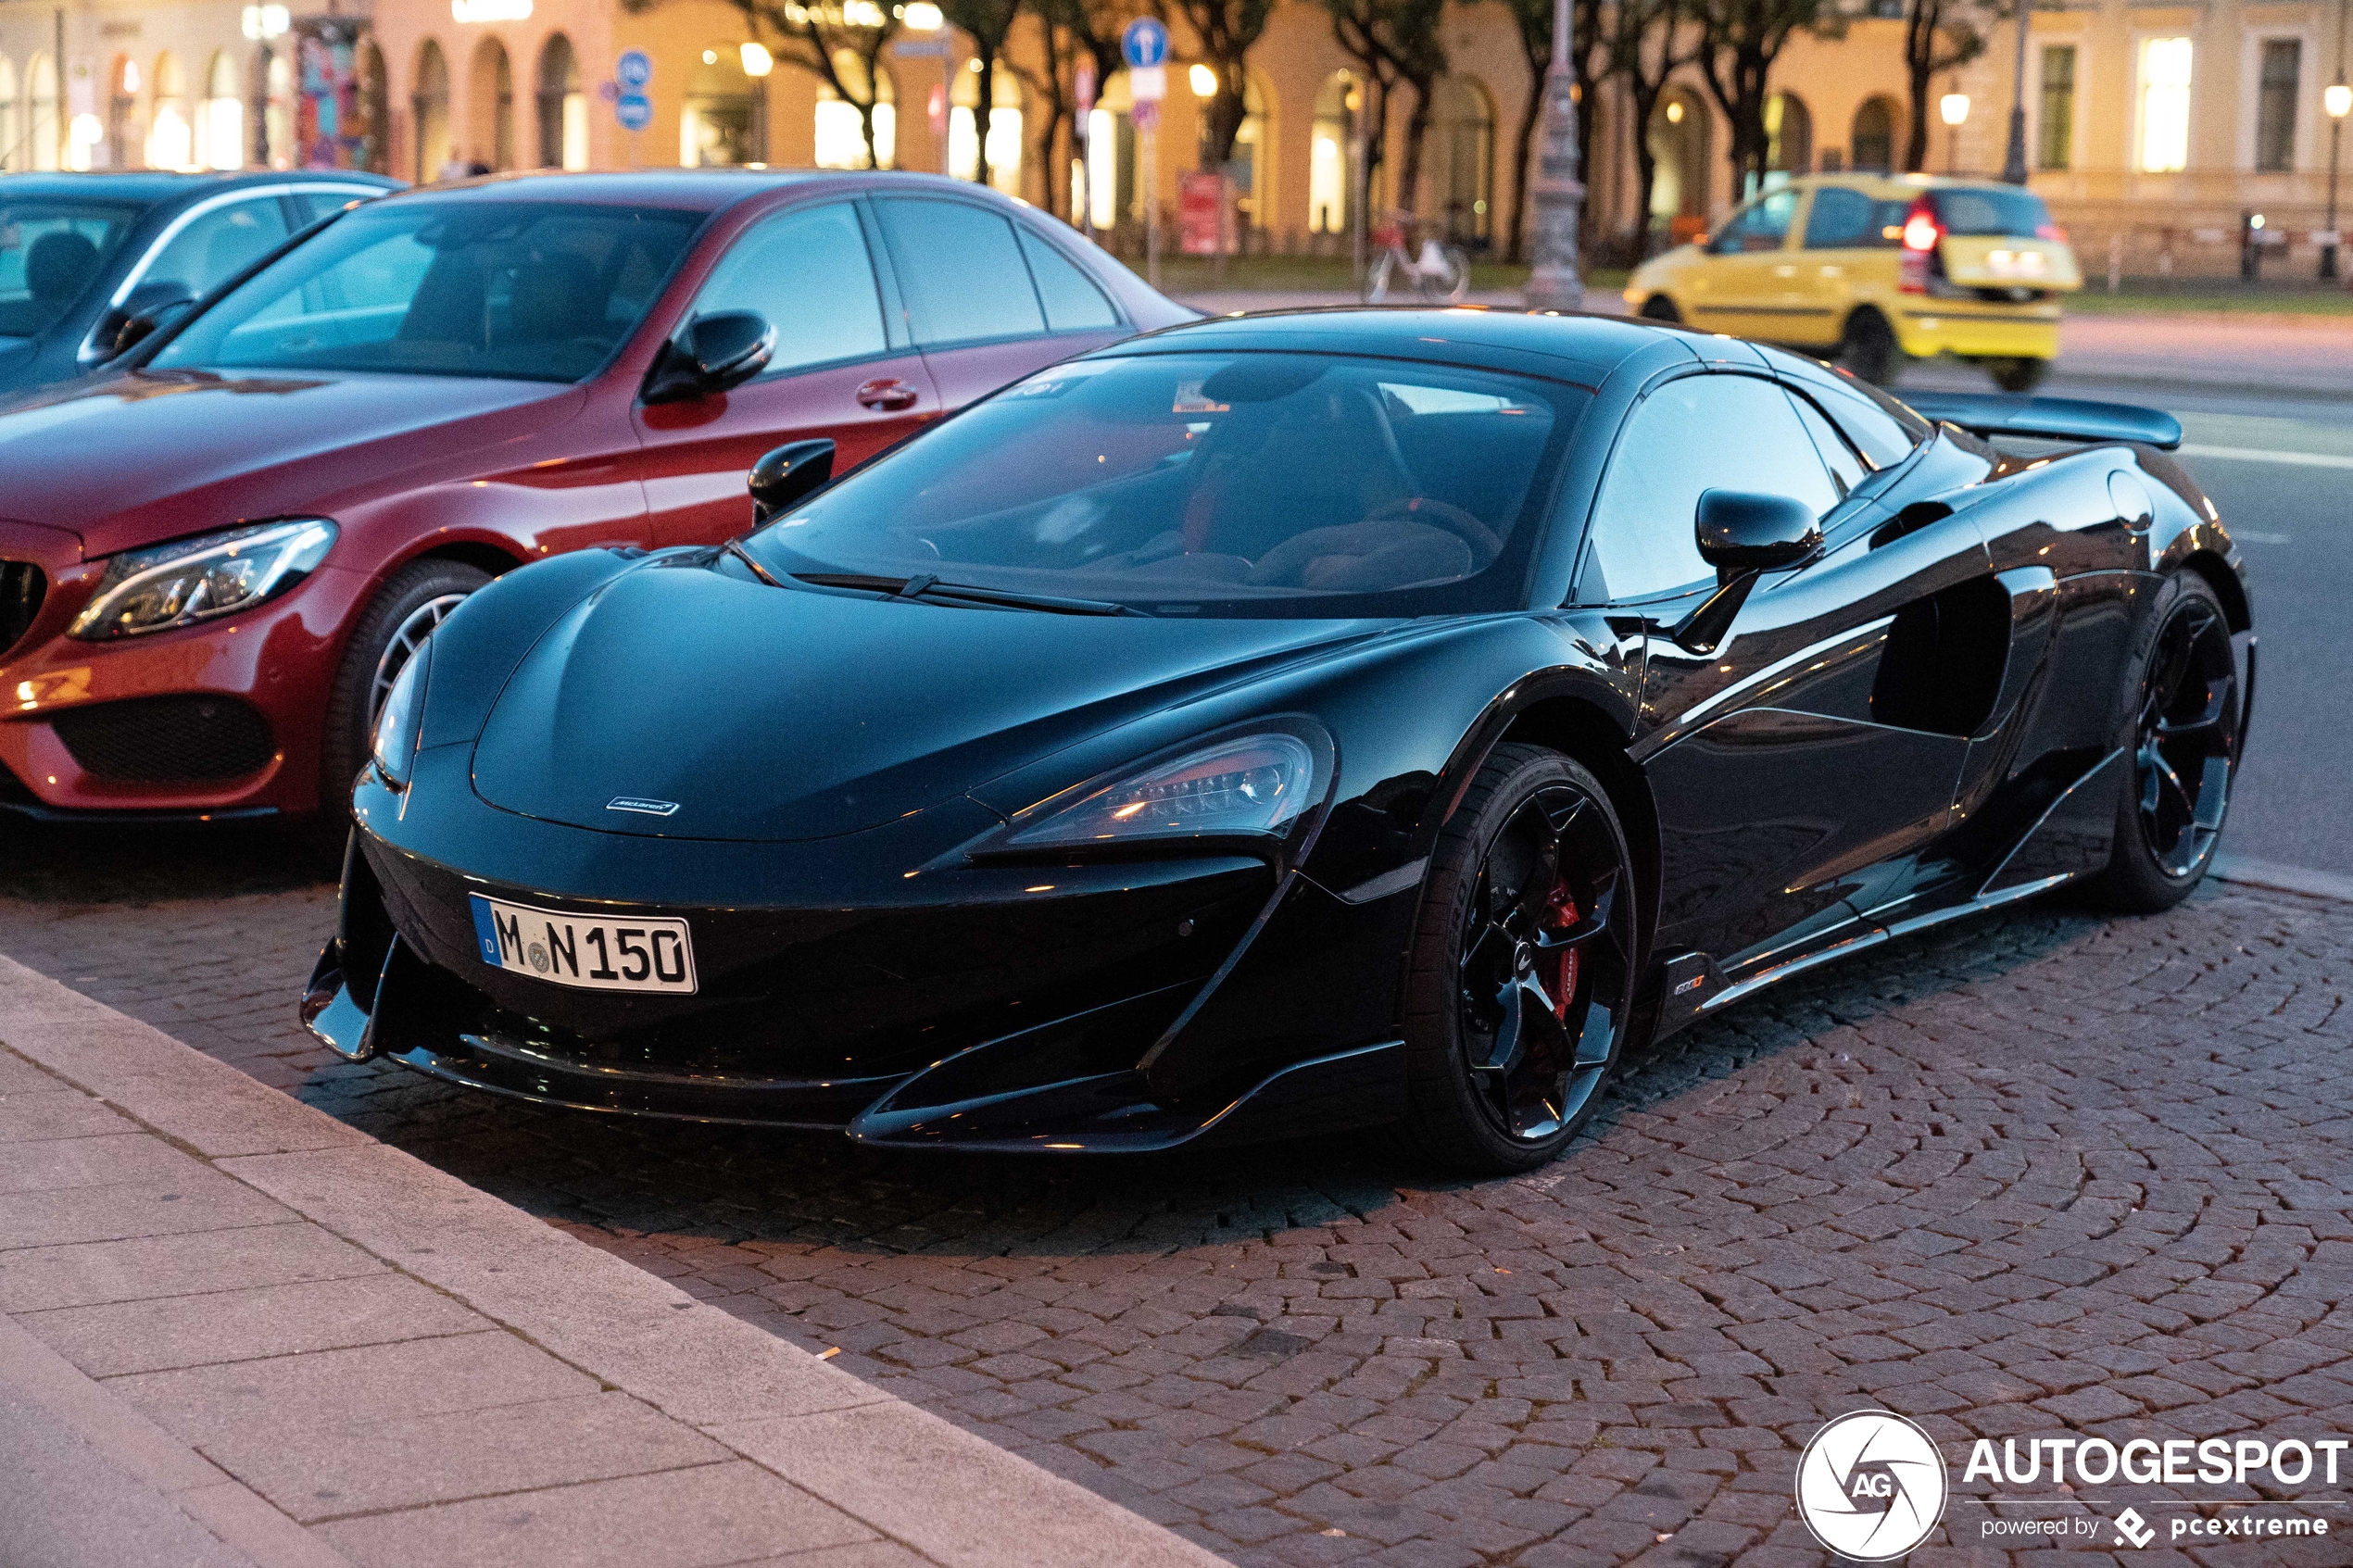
[
  {"x": 1868, "y": 349},
  {"x": 2018, "y": 375},
  {"x": 1524, "y": 965},
  {"x": 416, "y": 600},
  {"x": 2182, "y": 741},
  {"x": 1658, "y": 308}
]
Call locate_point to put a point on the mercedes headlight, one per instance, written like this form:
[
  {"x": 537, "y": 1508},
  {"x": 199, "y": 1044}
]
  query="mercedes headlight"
[
  {"x": 1259, "y": 784},
  {"x": 400, "y": 720},
  {"x": 194, "y": 579}
]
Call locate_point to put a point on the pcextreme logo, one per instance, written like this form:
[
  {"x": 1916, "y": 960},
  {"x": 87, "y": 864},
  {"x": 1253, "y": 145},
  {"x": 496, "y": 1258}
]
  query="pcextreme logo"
[{"x": 1870, "y": 1486}]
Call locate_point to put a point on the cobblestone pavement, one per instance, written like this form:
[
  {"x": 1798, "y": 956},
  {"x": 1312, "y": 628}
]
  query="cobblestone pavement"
[{"x": 2033, "y": 1174}]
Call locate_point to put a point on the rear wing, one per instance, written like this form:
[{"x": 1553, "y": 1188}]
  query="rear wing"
[{"x": 2049, "y": 419}]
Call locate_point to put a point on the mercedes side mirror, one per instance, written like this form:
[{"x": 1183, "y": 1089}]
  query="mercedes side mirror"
[
  {"x": 717, "y": 351},
  {"x": 785, "y": 475},
  {"x": 142, "y": 312},
  {"x": 1741, "y": 531}
]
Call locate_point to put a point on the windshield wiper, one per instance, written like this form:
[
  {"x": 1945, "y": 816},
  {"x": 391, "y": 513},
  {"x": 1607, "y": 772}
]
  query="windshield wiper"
[{"x": 931, "y": 588}]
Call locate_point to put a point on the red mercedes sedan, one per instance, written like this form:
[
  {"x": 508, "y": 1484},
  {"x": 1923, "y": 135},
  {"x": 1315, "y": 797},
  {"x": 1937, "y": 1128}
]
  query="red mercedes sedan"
[{"x": 215, "y": 559}]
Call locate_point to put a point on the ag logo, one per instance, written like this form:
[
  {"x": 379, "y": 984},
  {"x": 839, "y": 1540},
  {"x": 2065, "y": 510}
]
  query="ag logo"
[{"x": 1870, "y": 1486}]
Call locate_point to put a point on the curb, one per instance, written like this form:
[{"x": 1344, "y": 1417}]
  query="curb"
[
  {"x": 955, "y": 1498},
  {"x": 2282, "y": 879}
]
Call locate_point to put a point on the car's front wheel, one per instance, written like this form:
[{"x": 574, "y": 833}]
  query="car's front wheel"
[
  {"x": 2181, "y": 737},
  {"x": 411, "y": 603},
  {"x": 1524, "y": 965},
  {"x": 1658, "y": 308}
]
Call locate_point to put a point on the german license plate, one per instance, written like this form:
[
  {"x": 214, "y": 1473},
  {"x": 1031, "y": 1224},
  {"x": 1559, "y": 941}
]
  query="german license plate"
[{"x": 588, "y": 951}]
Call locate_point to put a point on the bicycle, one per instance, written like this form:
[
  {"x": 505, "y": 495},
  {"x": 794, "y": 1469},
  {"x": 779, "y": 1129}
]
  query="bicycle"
[{"x": 1435, "y": 271}]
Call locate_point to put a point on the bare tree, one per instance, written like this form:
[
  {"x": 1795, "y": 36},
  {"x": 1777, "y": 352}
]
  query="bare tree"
[
  {"x": 1395, "y": 42},
  {"x": 813, "y": 38},
  {"x": 987, "y": 24},
  {"x": 1589, "y": 49},
  {"x": 1226, "y": 29},
  {"x": 1744, "y": 39},
  {"x": 1070, "y": 30},
  {"x": 1649, "y": 41},
  {"x": 1938, "y": 36}
]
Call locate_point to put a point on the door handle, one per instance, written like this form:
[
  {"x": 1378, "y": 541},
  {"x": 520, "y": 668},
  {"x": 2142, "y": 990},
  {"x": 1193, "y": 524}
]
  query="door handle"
[{"x": 888, "y": 392}]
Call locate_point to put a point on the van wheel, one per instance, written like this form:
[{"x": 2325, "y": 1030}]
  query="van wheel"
[
  {"x": 2018, "y": 375},
  {"x": 1658, "y": 308},
  {"x": 1868, "y": 349}
]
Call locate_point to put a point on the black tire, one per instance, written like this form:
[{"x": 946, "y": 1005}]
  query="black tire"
[
  {"x": 2018, "y": 375},
  {"x": 1868, "y": 349},
  {"x": 412, "y": 602},
  {"x": 1658, "y": 308},
  {"x": 2179, "y": 731},
  {"x": 1524, "y": 965}
]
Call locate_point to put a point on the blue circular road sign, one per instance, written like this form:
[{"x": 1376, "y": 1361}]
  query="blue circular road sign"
[
  {"x": 1144, "y": 45},
  {"x": 634, "y": 70},
  {"x": 635, "y": 111}
]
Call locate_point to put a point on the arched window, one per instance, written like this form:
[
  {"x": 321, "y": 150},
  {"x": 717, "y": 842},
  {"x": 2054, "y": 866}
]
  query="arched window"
[
  {"x": 726, "y": 118},
  {"x": 1872, "y": 142},
  {"x": 1679, "y": 137},
  {"x": 563, "y": 108},
  {"x": 1789, "y": 135},
  {"x": 1004, "y": 127},
  {"x": 126, "y": 132},
  {"x": 171, "y": 137},
  {"x": 490, "y": 93},
  {"x": 12, "y": 131},
  {"x": 43, "y": 132},
  {"x": 1462, "y": 151},
  {"x": 841, "y": 140},
  {"x": 1331, "y": 154},
  {"x": 221, "y": 118},
  {"x": 429, "y": 107},
  {"x": 1111, "y": 157},
  {"x": 273, "y": 117}
]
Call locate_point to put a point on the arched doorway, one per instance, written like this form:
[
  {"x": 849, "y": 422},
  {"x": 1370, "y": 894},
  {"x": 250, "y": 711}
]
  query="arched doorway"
[
  {"x": 43, "y": 134},
  {"x": 221, "y": 118},
  {"x": 429, "y": 107},
  {"x": 726, "y": 118},
  {"x": 1331, "y": 154},
  {"x": 12, "y": 131},
  {"x": 171, "y": 137},
  {"x": 1789, "y": 136},
  {"x": 1462, "y": 158},
  {"x": 841, "y": 139},
  {"x": 1872, "y": 145},
  {"x": 1679, "y": 138},
  {"x": 563, "y": 108},
  {"x": 490, "y": 94},
  {"x": 126, "y": 131},
  {"x": 1004, "y": 127}
]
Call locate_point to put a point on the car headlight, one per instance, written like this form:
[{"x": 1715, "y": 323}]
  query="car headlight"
[
  {"x": 400, "y": 721},
  {"x": 1249, "y": 784},
  {"x": 193, "y": 579}
]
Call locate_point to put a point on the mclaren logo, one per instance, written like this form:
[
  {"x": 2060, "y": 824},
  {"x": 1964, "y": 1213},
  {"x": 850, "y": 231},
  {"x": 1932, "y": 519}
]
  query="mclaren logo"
[
  {"x": 642, "y": 805},
  {"x": 1870, "y": 1486}
]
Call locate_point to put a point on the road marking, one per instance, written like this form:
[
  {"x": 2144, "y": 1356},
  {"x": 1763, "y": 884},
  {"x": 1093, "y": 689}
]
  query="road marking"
[
  {"x": 2250, "y": 536},
  {"x": 2264, "y": 455}
]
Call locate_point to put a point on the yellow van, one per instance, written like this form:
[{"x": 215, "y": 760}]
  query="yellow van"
[{"x": 1867, "y": 270}]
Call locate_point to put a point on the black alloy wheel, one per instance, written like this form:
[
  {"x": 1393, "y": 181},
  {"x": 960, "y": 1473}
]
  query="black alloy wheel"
[
  {"x": 1658, "y": 308},
  {"x": 2183, "y": 744},
  {"x": 1525, "y": 967}
]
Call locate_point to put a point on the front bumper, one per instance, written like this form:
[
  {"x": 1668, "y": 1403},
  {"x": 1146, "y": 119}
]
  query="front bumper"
[{"x": 1124, "y": 1005}]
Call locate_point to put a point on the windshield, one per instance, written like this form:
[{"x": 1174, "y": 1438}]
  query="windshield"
[
  {"x": 49, "y": 252},
  {"x": 1234, "y": 483},
  {"x": 1978, "y": 210},
  {"x": 524, "y": 291}
]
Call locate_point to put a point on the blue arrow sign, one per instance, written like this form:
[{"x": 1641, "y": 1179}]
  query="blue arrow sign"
[
  {"x": 635, "y": 111},
  {"x": 634, "y": 70},
  {"x": 1144, "y": 45}
]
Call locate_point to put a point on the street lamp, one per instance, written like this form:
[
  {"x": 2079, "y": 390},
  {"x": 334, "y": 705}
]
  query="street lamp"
[
  {"x": 2338, "y": 99},
  {"x": 2014, "y": 161},
  {"x": 1557, "y": 193},
  {"x": 1953, "y": 108}
]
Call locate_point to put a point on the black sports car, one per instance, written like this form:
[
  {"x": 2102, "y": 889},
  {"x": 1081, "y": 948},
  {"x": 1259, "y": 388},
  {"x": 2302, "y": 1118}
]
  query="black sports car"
[{"x": 1288, "y": 722}]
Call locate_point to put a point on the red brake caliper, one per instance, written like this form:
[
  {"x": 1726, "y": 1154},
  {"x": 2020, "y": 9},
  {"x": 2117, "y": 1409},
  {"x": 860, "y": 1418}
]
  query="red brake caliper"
[{"x": 1560, "y": 914}]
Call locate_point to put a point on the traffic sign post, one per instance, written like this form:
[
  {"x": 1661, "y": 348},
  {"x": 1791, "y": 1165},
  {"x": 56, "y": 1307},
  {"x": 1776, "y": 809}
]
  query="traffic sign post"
[
  {"x": 1145, "y": 44},
  {"x": 1145, "y": 48},
  {"x": 632, "y": 74}
]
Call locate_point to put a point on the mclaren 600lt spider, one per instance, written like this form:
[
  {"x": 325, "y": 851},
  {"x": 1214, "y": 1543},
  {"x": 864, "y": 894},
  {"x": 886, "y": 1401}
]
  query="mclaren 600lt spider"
[{"x": 1289, "y": 723}]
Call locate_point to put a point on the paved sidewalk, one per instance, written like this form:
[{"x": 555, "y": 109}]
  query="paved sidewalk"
[{"x": 236, "y": 1333}]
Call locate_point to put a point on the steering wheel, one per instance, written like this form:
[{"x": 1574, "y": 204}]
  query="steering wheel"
[{"x": 1483, "y": 541}]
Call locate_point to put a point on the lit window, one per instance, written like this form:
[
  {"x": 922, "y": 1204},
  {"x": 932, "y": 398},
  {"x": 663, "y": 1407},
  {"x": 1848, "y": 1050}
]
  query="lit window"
[{"x": 2165, "y": 105}]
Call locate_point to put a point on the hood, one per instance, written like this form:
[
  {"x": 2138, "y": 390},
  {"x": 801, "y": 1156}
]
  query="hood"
[
  {"x": 778, "y": 713},
  {"x": 134, "y": 457}
]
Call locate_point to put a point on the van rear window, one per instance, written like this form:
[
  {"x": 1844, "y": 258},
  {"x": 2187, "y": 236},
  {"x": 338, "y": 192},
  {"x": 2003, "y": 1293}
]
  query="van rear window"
[{"x": 2000, "y": 210}]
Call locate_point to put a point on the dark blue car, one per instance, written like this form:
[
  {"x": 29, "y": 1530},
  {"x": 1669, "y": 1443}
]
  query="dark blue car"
[{"x": 83, "y": 256}]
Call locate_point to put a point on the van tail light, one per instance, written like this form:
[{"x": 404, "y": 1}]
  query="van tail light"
[{"x": 1920, "y": 235}]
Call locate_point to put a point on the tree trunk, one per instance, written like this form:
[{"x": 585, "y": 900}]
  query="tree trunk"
[
  {"x": 1916, "y": 136},
  {"x": 988, "y": 107},
  {"x": 1529, "y": 115},
  {"x": 1409, "y": 173}
]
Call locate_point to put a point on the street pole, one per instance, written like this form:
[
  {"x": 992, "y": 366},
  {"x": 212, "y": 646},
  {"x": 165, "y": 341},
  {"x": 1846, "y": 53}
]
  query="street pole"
[
  {"x": 2338, "y": 99},
  {"x": 1152, "y": 200},
  {"x": 1555, "y": 195},
  {"x": 2013, "y": 162}
]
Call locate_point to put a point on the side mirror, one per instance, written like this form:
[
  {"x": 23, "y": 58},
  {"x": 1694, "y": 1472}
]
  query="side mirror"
[
  {"x": 1742, "y": 532},
  {"x": 141, "y": 312},
  {"x": 787, "y": 474},
  {"x": 719, "y": 351}
]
